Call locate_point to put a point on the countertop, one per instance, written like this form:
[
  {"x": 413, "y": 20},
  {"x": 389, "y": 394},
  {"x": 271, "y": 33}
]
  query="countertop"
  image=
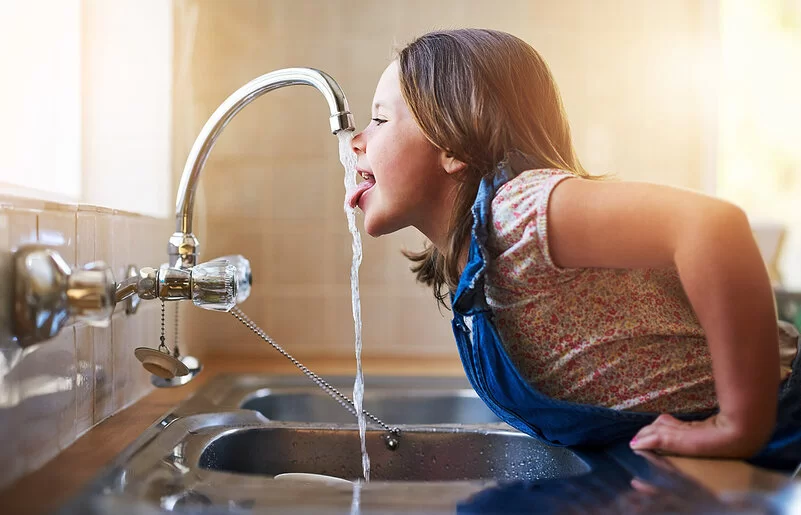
[{"x": 76, "y": 466}]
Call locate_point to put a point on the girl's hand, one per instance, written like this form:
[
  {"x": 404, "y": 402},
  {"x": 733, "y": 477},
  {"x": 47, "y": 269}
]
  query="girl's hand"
[{"x": 716, "y": 436}]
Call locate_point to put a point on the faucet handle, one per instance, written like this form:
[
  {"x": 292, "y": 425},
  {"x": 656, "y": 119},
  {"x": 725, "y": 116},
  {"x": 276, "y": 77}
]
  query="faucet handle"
[
  {"x": 210, "y": 285},
  {"x": 244, "y": 276},
  {"x": 47, "y": 293},
  {"x": 214, "y": 285}
]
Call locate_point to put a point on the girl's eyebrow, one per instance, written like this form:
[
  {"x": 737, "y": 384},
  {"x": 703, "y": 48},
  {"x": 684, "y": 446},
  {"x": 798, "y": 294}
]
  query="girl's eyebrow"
[{"x": 377, "y": 106}]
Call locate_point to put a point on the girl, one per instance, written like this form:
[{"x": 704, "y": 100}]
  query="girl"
[{"x": 583, "y": 308}]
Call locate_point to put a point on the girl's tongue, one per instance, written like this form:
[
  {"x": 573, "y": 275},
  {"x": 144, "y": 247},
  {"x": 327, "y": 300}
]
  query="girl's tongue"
[{"x": 355, "y": 195}]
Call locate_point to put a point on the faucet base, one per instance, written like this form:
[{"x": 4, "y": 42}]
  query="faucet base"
[{"x": 183, "y": 250}]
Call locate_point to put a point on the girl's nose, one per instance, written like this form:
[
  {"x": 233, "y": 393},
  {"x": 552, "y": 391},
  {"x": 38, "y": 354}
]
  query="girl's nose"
[{"x": 357, "y": 143}]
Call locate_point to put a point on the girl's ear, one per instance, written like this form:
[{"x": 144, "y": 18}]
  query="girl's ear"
[{"x": 450, "y": 164}]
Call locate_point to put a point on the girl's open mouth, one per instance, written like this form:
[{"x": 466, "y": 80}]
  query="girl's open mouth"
[{"x": 361, "y": 188}]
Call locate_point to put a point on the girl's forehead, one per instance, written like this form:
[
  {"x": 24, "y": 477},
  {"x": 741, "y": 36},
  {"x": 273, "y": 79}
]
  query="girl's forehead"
[{"x": 387, "y": 92}]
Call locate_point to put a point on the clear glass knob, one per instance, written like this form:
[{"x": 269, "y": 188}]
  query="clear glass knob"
[
  {"x": 214, "y": 285},
  {"x": 244, "y": 277}
]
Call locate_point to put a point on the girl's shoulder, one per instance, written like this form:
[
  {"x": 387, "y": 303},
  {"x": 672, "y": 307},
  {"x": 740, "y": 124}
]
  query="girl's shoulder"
[
  {"x": 532, "y": 188},
  {"x": 519, "y": 213}
]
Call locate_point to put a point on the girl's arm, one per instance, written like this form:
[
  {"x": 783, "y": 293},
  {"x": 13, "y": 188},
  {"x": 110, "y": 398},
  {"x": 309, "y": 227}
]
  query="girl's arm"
[{"x": 709, "y": 241}]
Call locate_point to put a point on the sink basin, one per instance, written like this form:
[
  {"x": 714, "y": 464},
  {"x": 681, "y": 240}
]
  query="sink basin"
[
  {"x": 209, "y": 453},
  {"x": 393, "y": 407},
  {"x": 423, "y": 455}
]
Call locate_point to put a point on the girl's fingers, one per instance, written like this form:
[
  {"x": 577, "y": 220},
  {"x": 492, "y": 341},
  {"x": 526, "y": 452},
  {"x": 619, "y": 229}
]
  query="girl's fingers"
[
  {"x": 670, "y": 423},
  {"x": 662, "y": 420},
  {"x": 677, "y": 439},
  {"x": 669, "y": 420}
]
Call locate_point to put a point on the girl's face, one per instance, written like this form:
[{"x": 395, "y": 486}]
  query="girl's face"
[{"x": 405, "y": 183}]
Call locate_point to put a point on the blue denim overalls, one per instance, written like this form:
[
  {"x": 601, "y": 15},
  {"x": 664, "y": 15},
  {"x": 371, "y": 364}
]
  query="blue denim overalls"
[{"x": 518, "y": 403}]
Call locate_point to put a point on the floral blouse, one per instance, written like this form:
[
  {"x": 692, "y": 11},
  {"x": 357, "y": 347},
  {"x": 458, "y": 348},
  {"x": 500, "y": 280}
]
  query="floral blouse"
[{"x": 618, "y": 338}]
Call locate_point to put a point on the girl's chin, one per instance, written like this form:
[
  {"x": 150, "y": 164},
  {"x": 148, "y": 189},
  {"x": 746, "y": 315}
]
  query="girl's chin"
[
  {"x": 375, "y": 226},
  {"x": 371, "y": 228}
]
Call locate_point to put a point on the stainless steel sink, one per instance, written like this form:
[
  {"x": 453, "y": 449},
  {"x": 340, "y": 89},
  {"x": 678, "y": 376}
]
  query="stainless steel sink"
[
  {"x": 210, "y": 453},
  {"x": 423, "y": 454}
]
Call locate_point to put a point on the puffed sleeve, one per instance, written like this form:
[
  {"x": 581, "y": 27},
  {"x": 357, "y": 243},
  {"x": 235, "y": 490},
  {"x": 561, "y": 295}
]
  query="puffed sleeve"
[{"x": 518, "y": 237}]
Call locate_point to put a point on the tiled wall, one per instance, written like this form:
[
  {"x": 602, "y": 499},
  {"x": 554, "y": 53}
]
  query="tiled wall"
[
  {"x": 53, "y": 392},
  {"x": 273, "y": 189}
]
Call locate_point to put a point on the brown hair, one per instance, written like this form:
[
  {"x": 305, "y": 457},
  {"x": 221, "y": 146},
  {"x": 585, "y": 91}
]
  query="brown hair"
[{"x": 480, "y": 94}]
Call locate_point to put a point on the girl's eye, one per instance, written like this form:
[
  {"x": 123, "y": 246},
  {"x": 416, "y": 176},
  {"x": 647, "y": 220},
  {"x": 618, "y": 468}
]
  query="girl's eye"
[{"x": 378, "y": 121}]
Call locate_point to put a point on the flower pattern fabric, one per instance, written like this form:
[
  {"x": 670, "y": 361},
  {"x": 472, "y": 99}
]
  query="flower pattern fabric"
[{"x": 618, "y": 338}]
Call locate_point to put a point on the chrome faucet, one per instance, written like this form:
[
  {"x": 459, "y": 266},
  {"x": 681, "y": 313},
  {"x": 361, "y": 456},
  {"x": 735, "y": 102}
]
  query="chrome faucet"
[
  {"x": 183, "y": 245},
  {"x": 47, "y": 291}
]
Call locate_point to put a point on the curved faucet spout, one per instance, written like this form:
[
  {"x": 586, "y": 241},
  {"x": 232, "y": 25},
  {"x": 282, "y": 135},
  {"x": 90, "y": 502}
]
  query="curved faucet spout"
[{"x": 183, "y": 245}]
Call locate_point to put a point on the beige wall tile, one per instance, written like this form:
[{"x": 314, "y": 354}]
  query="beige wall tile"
[
  {"x": 123, "y": 361},
  {"x": 104, "y": 238},
  {"x": 102, "y": 353},
  {"x": 85, "y": 378},
  {"x": 46, "y": 376},
  {"x": 57, "y": 229},
  {"x": 241, "y": 187},
  {"x": 422, "y": 329},
  {"x": 123, "y": 245},
  {"x": 138, "y": 231},
  {"x": 21, "y": 227},
  {"x": 300, "y": 187},
  {"x": 159, "y": 233},
  {"x": 229, "y": 335},
  {"x": 287, "y": 251},
  {"x": 85, "y": 237},
  {"x": 102, "y": 337}
]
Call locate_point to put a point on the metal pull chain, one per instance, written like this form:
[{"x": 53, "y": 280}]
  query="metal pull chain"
[
  {"x": 175, "y": 352},
  {"x": 162, "y": 347},
  {"x": 391, "y": 439}
]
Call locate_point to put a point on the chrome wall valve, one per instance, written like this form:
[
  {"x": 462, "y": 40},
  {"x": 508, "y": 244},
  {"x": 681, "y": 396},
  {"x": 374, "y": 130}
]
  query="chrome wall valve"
[{"x": 47, "y": 293}]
